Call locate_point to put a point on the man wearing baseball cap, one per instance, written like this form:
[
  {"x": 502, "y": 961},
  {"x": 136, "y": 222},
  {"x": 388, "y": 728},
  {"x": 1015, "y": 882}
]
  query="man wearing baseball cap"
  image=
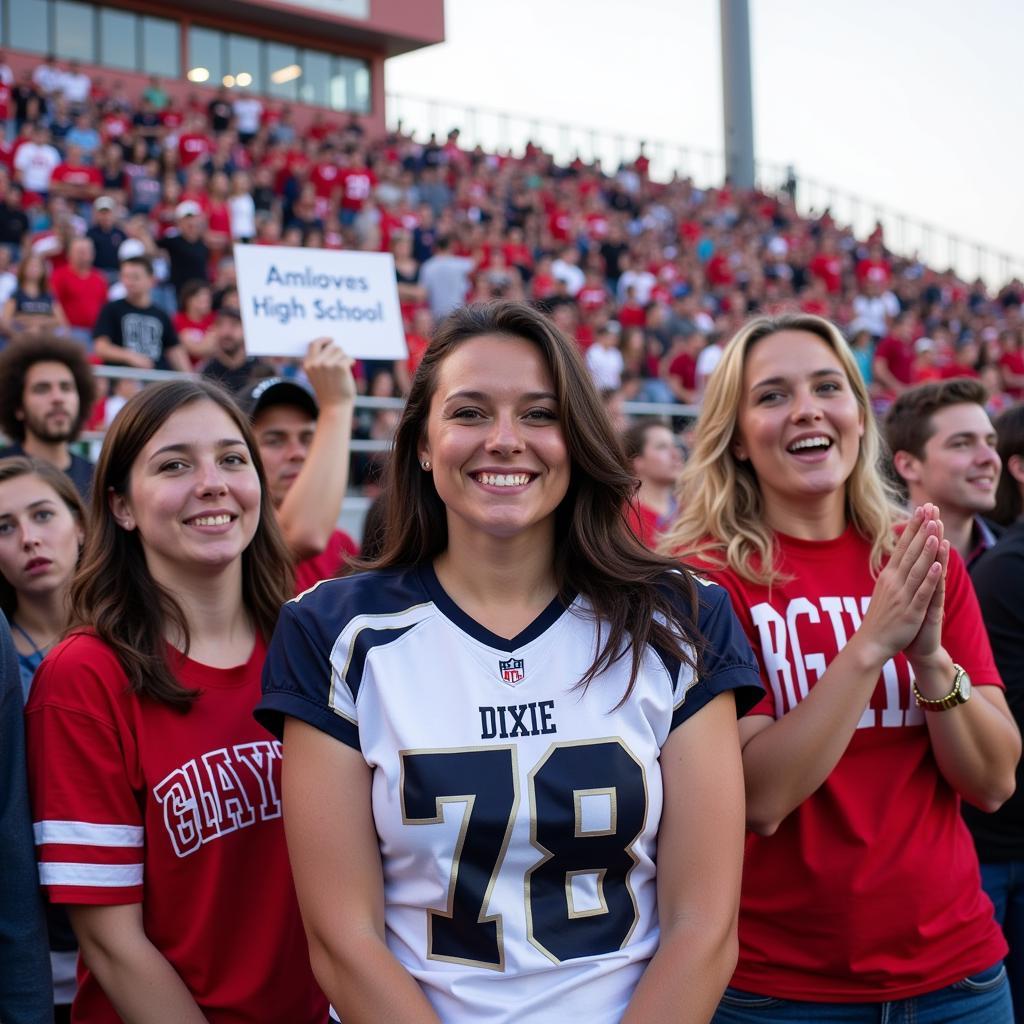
[
  {"x": 186, "y": 248},
  {"x": 303, "y": 437},
  {"x": 106, "y": 235}
]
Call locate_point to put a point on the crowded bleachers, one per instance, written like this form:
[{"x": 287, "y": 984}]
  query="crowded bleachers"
[
  {"x": 515, "y": 532},
  {"x": 650, "y": 275}
]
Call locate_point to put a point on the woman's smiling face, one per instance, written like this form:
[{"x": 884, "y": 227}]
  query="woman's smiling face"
[
  {"x": 494, "y": 439},
  {"x": 193, "y": 494},
  {"x": 799, "y": 423}
]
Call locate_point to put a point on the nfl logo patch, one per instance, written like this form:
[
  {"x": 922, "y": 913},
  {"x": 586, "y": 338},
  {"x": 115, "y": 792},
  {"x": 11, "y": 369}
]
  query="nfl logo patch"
[{"x": 512, "y": 670}]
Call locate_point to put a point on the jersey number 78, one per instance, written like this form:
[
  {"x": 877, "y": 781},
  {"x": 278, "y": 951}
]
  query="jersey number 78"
[{"x": 485, "y": 781}]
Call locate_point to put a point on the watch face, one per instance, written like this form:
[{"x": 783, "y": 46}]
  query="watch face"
[{"x": 965, "y": 687}]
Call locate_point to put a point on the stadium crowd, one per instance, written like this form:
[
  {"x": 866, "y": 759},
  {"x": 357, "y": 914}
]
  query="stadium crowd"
[
  {"x": 648, "y": 277},
  {"x": 118, "y": 214}
]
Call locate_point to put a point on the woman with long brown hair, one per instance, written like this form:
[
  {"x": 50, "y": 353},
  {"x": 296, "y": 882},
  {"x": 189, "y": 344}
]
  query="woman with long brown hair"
[
  {"x": 32, "y": 308},
  {"x": 42, "y": 529},
  {"x": 155, "y": 793},
  {"x": 861, "y": 895},
  {"x": 515, "y": 652}
]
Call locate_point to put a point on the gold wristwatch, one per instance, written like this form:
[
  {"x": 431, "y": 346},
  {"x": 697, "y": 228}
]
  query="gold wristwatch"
[{"x": 960, "y": 693}]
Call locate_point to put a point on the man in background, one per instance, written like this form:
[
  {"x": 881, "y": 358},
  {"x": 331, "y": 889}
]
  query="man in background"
[
  {"x": 303, "y": 437},
  {"x": 80, "y": 288},
  {"x": 46, "y": 393},
  {"x": 133, "y": 331},
  {"x": 656, "y": 460},
  {"x": 944, "y": 450},
  {"x": 230, "y": 366}
]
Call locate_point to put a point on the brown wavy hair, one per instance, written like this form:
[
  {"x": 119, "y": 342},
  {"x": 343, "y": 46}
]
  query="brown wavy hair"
[
  {"x": 636, "y": 594},
  {"x": 20, "y": 356},
  {"x": 113, "y": 593}
]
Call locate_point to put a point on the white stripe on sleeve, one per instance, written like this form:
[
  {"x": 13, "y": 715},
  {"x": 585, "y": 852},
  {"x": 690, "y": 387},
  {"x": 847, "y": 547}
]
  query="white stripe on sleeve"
[
  {"x": 85, "y": 833},
  {"x": 113, "y": 876}
]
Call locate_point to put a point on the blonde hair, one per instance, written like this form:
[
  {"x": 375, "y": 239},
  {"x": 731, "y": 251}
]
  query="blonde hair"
[{"x": 722, "y": 513}]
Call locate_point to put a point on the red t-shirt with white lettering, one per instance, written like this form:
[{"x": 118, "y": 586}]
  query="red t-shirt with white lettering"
[
  {"x": 136, "y": 802},
  {"x": 192, "y": 146},
  {"x": 326, "y": 177},
  {"x": 76, "y": 175},
  {"x": 357, "y": 185},
  {"x": 870, "y": 889}
]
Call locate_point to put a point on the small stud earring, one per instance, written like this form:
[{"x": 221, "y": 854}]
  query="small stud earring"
[{"x": 426, "y": 465}]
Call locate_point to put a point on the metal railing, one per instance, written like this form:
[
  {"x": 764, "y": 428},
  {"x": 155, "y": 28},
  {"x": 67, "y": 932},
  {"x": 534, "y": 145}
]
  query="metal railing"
[
  {"x": 668, "y": 410},
  {"x": 500, "y": 131},
  {"x": 355, "y": 505}
]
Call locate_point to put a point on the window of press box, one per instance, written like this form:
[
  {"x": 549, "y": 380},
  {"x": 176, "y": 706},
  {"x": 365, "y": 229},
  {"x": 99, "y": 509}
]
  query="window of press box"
[
  {"x": 28, "y": 25},
  {"x": 119, "y": 37},
  {"x": 161, "y": 45},
  {"x": 73, "y": 30},
  {"x": 128, "y": 41},
  {"x": 277, "y": 69}
]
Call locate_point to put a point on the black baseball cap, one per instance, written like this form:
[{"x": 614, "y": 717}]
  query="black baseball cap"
[{"x": 277, "y": 391}]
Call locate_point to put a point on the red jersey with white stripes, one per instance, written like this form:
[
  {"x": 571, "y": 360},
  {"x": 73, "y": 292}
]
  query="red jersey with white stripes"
[{"x": 136, "y": 802}]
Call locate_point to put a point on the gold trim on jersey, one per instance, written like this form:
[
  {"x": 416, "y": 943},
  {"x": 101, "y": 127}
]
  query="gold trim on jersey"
[
  {"x": 570, "y": 902},
  {"x": 613, "y": 812},
  {"x": 346, "y": 640},
  {"x": 548, "y": 855},
  {"x": 469, "y": 800}
]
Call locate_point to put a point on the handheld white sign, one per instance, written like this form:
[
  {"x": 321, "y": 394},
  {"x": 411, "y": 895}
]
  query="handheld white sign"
[{"x": 290, "y": 296}]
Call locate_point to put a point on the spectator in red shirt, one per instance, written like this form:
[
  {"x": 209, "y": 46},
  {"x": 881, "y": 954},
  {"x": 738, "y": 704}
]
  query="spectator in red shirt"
[
  {"x": 875, "y": 267},
  {"x": 357, "y": 185},
  {"x": 193, "y": 143},
  {"x": 827, "y": 265},
  {"x": 894, "y": 358},
  {"x": 679, "y": 366},
  {"x": 926, "y": 361},
  {"x": 80, "y": 288},
  {"x": 657, "y": 462},
  {"x": 416, "y": 341},
  {"x": 966, "y": 360},
  {"x": 1011, "y": 362},
  {"x": 326, "y": 174},
  {"x": 194, "y": 319},
  {"x": 75, "y": 180}
]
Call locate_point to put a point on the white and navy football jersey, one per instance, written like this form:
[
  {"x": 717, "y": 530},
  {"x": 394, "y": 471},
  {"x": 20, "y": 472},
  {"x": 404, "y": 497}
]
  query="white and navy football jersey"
[{"x": 517, "y": 813}]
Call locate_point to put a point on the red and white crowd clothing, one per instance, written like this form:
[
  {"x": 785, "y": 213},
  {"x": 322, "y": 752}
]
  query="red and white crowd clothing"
[
  {"x": 193, "y": 146},
  {"x": 357, "y": 185},
  {"x": 870, "y": 889},
  {"x": 135, "y": 801},
  {"x": 328, "y": 564}
]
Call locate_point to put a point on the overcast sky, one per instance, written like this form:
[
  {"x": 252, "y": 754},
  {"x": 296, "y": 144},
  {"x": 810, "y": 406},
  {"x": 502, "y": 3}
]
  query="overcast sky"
[{"x": 911, "y": 104}]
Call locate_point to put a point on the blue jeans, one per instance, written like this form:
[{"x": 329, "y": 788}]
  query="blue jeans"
[
  {"x": 983, "y": 998},
  {"x": 1004, "y": 884}
]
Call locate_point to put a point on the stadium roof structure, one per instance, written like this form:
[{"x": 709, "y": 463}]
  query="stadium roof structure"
[{"x": 387, "y": 27}]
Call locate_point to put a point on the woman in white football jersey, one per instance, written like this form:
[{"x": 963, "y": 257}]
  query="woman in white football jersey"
[{"x": 512, "y": 785}]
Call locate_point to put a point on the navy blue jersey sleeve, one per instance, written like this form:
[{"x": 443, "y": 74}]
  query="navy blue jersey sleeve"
[
  {"x": 25, "y": 985},
  {"x": 727, "y": 662},
  {"x": 299, "y": 680}
]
